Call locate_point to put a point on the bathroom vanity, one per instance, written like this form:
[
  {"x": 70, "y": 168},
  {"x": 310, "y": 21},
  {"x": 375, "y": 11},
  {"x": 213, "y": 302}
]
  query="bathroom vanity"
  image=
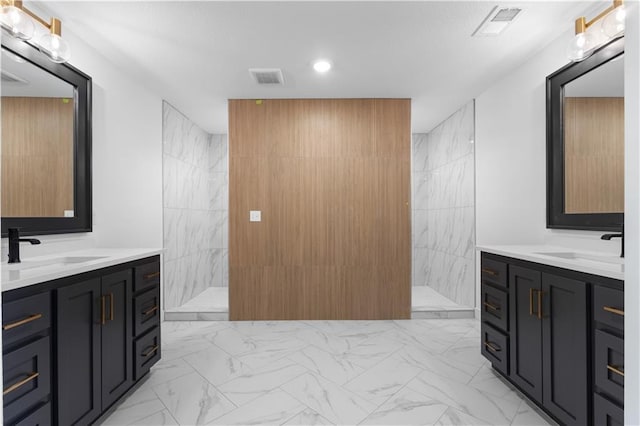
[
  {"x": 553, "y": 325},
  {"x": 79, "y": 330}
]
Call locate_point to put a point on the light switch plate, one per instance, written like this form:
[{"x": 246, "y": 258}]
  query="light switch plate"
[{"x": 255, "y": 216}]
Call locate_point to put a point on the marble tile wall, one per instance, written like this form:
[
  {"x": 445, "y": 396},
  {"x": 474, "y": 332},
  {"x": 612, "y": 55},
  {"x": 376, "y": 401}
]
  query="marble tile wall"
[
  {"x": 195, "y": 208},
  {"x": 443, "y": 207}
]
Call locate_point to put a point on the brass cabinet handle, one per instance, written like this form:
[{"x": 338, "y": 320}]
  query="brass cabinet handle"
[
  {"x": 540, "y": 295},
  {"x": 531, "y": 301},
  {"x": 613, "y": 310},
  {"x": 103, "y": 320},
  {"x": 492, "y": 307},
  {"x": 111, "y": 316},
  {"x": 492, "y": 347},
  {"x": 150, "y": 310},
  {"x": 151, "y": 275},
  {"x": 150, "y": 351},
  {"x": 616, "y": 370},
  {"x": 20, "y": 383},
  {"x": 22, "y": 322},
  {"x": 490, "y": 272}
]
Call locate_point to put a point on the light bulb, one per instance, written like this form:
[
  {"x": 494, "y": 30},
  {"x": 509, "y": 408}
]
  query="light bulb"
[
  {"x": 322, "y": 66},
  {"x": 580, "y": 47},
  {"x": 613, "y": 25},
  {"x": 16, "y": 23},
  {"x": 56, "y": 49}
]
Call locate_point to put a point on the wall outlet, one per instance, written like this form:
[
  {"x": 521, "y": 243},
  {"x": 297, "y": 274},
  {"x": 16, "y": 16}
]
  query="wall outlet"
[{"x": 255, "y": 216}]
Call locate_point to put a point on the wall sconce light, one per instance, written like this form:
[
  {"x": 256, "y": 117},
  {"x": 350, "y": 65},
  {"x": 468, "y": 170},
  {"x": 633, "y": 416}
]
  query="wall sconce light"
[
  {"x": 589, "y": 36},
  {"x": 18, "y": 22}
]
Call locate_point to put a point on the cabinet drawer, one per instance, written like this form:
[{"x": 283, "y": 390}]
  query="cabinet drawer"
[
  {"x": 40, "y": 417},
  {"x": 608, "y": 306},
  {"x": 495, "y": 347},
  {"x": 146, "y": 311},
  {"x": 146, "y": 352},
  {"x": 24, "y": 317},
  {"x": 609, "y": 364},
  {"x": 494, "y": 272},
  {"x": 147, "y": 276},
  {"x": 26, "y": 377},
  {"x": 495, "y": 307},
  {"x": 606, "y": 412}
]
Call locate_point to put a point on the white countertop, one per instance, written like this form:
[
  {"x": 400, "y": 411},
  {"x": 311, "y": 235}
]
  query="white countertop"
[
  {"x": 596, "y": 263},
  {"x": 35, "y": 270}
]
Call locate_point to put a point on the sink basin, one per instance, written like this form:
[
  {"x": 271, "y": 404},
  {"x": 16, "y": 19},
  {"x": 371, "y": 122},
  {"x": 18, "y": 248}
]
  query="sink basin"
[
  {"x": 610, "y": 260},
  {"x": 56, "y": 262}
]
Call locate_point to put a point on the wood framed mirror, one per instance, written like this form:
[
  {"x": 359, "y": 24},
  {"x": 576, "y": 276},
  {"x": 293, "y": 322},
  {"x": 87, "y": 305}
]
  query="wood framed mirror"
[
  {"x": 46, "y": 143},
  {"x": 585, "y": 142}
]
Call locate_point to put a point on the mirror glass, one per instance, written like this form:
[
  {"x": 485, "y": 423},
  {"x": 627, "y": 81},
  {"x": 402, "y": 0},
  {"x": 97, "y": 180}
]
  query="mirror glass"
[
  {"x": 594, "y": 140},
  {"x": 38, "y": 111}
]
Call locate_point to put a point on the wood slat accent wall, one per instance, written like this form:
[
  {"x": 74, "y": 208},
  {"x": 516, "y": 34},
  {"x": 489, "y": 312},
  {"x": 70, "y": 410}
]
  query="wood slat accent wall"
[
  {"x": 332, "y": 179},
  {"x": 37, "y": 157},
  {"x": 594, "y": 155}
]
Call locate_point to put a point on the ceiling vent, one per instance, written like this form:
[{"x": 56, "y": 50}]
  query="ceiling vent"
[
  {"x": 267, "y": 76},
  {"x": 7, "y": 77},
  {"x": 497, "y": 21}
]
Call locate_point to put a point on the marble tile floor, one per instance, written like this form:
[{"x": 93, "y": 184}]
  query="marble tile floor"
[{"x": 323, "y": 373}]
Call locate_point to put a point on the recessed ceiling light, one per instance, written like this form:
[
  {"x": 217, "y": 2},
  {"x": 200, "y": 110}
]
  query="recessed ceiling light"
[{"x": 322, "y": 65}]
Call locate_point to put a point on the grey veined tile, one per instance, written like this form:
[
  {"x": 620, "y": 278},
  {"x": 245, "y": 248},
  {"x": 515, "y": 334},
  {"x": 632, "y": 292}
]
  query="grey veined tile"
[
  {"x": 161, "y": 418},
  {"x": 216, "y": 365},
  {"x": 192, "y": 400},
  {"x": 407, "y": 407},
  {"x": 273, "y": 408},
  {"x": 134, "y": 408},
  {"x": 337, "y": 368},
  {"x": 453, "y": 417},
  {"x": 328, "y": 399},
  {"x": 308, "y": 417}
]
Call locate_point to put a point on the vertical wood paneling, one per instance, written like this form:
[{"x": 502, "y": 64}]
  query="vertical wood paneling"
[
  {"x": 331, "y": 177},
  {"x": 37, "y": 157},
  {"x": 594, "y": 155}
]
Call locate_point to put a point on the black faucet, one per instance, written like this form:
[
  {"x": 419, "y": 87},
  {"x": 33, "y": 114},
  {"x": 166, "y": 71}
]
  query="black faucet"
[
  {"x": 620, "y": 235},
  {"x": 14, "y": 244}
]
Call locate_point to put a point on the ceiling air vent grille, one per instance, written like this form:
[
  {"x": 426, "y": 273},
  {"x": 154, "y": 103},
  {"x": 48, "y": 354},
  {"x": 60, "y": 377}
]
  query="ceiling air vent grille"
[
  {"x": 497, "y": 21},
  {"x": 267, "y": 76}
]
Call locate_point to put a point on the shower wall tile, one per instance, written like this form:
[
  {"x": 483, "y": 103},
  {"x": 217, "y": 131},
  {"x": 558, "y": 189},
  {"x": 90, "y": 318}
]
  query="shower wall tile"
[
  {"x": 195, "y": 201},
  {"x": 443, "y": 207}
]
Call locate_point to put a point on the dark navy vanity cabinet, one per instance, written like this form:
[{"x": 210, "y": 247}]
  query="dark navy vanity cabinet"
[
  {"x": 73, "y": 346},
  {"x": 557, "y": 335}
]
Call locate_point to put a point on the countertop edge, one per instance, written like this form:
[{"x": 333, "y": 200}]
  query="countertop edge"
[{"x": 527, "y": 253}]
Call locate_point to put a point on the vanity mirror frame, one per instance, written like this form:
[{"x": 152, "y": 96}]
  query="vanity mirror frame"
[
  {"x": 556, "y": 216},
  {"x": 82, "y": 131}
]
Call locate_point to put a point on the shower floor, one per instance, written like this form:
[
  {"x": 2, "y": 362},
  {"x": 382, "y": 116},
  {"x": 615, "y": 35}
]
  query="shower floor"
[{"x": 428, "y": 303}]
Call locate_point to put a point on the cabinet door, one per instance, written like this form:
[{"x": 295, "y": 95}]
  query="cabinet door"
[
  {"x": 564, "y": 339},
  {"x": 78, "y": 352},
  {"x": 526, "y": 330},
  {"x": 117, "y": 336}
]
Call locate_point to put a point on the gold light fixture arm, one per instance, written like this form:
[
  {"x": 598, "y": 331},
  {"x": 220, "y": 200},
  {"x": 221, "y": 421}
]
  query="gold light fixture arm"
[
  {"x": 54, "y": 26},
  {"x": 582, "y": 24}
]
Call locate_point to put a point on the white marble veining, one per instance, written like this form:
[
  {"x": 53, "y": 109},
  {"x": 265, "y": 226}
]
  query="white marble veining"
[
  {"x": 383, "y": 373},
  {"x": 195, "y": 206},
  {"x": 39, "y": 269},
  {"x": 443, "y": 208},
  {"x": 596, "y": 263}
]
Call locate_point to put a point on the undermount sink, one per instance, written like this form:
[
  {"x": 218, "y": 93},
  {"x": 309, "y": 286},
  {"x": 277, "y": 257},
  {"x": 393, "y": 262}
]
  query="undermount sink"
[
  {"x": 611, "y": 260},
  {"x": 29, "y": 265}
]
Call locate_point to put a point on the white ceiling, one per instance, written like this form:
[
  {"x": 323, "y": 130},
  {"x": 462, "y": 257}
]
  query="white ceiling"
[{"x": 196, "y": 54}]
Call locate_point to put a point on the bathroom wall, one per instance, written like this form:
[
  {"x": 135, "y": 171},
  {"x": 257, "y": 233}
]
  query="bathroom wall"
[
  {"x": 194, "y": 208},
  {"x": 443, "y": 207}
]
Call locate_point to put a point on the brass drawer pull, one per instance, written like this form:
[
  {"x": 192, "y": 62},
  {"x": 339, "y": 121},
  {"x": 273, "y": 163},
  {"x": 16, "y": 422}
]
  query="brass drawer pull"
[
  {"x": 150, "y": 310},
  {"x": 22, "y": 321},
  {"x": 151, "y": 275},
  {"x": 531, "y": 301},
  {"x": 20, "y": 383},
  {"x": 492, "y": 307},
  {"x": 616, "y": 370},
  {"x": 150, "y": 351},
  {"x": 490, "y": 272},
  {"x": 540, "y": 295},
  {"x": 613, "y": 310},
  {"x": 111, "y": 307},
  {"x": 103, "y": 319},
  {"x": 492, "y": 347}
]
